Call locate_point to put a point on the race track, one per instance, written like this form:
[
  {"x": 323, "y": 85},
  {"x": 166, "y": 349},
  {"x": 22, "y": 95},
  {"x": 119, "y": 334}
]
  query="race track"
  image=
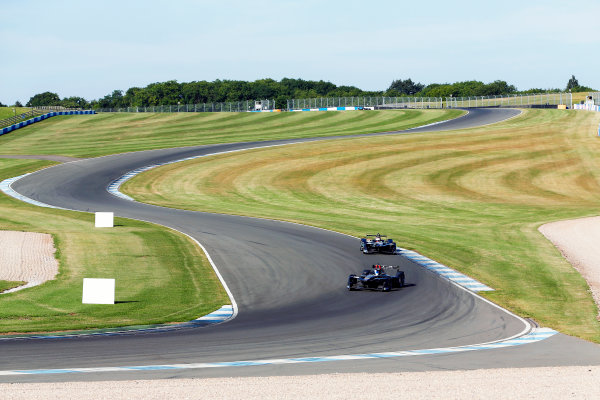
[{"x": 301, "y": 310}]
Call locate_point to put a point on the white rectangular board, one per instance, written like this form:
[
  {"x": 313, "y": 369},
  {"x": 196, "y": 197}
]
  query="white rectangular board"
[
  {"x": 98, "y": 291},
  {"x": 105, "y": 219}
]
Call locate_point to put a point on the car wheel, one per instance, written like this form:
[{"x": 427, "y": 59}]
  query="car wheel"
[
  {"x": 387, "y": 285},
  {"x": 351, "y": 282}
]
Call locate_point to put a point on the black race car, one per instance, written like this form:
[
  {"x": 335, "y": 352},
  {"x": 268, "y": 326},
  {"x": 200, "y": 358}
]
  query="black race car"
[
  {"x": 376, "y": 278},
  {"x": 377, "y": 244}
]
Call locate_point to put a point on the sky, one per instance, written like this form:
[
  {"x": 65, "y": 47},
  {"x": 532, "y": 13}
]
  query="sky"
[{"x": 89, "y": 49}]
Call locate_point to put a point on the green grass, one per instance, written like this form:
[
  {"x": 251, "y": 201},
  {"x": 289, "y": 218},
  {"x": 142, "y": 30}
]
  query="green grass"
[
  {"x": 161, "y": 276},
  {"x": 7, "y": 112},
  {"x": 102, "y": 134},
  {"x": 471, "y": 200},
  {"x": 6, "y": 285}
]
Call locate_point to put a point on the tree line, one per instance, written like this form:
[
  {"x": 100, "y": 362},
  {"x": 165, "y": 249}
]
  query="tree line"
[
  {"x": 198, "y": 92},
  {"x": 471, "y": 88}
]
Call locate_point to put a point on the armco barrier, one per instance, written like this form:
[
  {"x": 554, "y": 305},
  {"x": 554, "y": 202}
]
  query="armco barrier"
[{"x": 41, "y": 118}]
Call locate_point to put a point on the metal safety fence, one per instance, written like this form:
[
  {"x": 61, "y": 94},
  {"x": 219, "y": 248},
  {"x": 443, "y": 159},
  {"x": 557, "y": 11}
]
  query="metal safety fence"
[
  {"x": 365, "y": 101},
  {"x": 41, "y": 117},
  {"x": 238, "y": 106},
  {"x": 20, "y": 117},
  {"x": 377, "y": 102},
  {"x": 591, "y": 102},
  {"x": 512, "y": 100}
]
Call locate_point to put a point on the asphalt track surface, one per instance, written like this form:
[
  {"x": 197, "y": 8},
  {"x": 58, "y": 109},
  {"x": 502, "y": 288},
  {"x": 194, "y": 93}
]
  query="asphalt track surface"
[{"x": 288, "y": 281}]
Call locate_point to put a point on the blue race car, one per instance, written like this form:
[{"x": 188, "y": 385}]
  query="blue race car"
[
  {"x": 376, "y": 278},
  {"x": 377, "y": 244}
]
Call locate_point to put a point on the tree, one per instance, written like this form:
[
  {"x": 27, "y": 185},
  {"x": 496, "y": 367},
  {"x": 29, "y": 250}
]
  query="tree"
[
  {"x": 498, "y": 87},
  {"x": 105, "y": 102},
  {"x": 130, "y": 98},
  {"x": 117, "y": 98},
  {"x": 44, "y": 99},
  {"x": 171, "y": 93},
  {"x": 573, "y": 83},
  {"x": 540, "y": 90},
  {"x": 440, "y": 90},
  {"x": 574, "y": 86},
  {"x": 264, "y": 89},
  {"x": 2, "y": 105},
  {"x": 197, "y": 92},
  {"x": 114, "y": 100},
  {"x": 407, "y": 87},
  {"x": 281, "y": 101},
  {"x": 74, "y": 102},
  {"x": 18, "y": 104}
]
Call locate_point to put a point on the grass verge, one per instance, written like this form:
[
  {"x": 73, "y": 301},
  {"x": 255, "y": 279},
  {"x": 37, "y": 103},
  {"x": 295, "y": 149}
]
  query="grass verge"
[
  {"x": 102, "y": 134},
  {"x": 472, "y": 200},
  {"x": 161, "y": 275},
  {"x": 7, "y": 112}
]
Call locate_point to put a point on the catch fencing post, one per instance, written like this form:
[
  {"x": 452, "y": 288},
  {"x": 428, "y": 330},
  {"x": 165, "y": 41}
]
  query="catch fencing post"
[{"x": 569, "y": 99}]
